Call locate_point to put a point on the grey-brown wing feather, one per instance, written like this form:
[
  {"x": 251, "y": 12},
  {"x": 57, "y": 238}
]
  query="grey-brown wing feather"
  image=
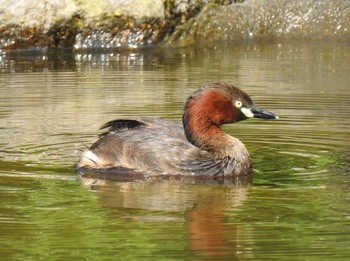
[{"x": 155, "y": 146}]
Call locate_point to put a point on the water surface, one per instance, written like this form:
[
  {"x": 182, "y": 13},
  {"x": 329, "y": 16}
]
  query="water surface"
[{"x": 52, "y": 104}]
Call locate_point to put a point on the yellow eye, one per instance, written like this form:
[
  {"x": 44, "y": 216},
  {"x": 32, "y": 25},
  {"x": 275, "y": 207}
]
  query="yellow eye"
[{"x": 238, "y": 104}]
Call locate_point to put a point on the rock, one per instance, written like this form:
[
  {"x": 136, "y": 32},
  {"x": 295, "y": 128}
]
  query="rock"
[
  {"x": 266, "y": 19},
  {"x": 130, "y": 24},
  {"x": 81, "y": 24}
]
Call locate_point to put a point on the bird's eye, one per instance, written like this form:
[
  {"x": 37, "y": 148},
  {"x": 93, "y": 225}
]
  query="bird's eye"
[{"x": 238, "y": 104}]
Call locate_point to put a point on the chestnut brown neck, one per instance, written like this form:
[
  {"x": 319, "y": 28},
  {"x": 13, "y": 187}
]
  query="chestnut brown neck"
[{"x": 203, "y": 117}]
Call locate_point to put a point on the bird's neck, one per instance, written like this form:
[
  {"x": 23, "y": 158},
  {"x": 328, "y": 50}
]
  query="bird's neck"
[{"x": 207, "y": 136}]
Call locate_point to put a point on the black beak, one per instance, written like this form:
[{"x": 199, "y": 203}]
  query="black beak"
[{"x": 263, "y": 114}]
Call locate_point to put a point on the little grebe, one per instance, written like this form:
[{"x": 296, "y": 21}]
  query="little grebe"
[{"x": 153, "y": 146}]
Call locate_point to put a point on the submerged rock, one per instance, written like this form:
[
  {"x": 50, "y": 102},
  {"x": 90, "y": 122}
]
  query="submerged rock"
[{"x": 28, "y": 24}]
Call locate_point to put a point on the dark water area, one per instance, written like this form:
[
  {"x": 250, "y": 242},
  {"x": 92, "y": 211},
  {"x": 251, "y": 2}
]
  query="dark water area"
[{"x": 297, "y": 207}]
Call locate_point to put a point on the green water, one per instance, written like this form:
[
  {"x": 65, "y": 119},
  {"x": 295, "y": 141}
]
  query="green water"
[{"x": 297, "y": 208}]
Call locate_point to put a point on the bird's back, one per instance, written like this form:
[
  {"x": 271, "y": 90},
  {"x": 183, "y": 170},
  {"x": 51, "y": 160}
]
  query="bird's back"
[{"x": 152, "y": 146}]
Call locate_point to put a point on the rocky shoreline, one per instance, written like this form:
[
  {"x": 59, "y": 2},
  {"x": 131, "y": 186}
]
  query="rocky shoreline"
[{"x": 133, "y": 24}]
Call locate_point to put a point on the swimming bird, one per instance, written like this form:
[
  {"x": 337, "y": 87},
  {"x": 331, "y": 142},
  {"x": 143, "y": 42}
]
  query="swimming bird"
[{"x": 198, "y": 147}]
